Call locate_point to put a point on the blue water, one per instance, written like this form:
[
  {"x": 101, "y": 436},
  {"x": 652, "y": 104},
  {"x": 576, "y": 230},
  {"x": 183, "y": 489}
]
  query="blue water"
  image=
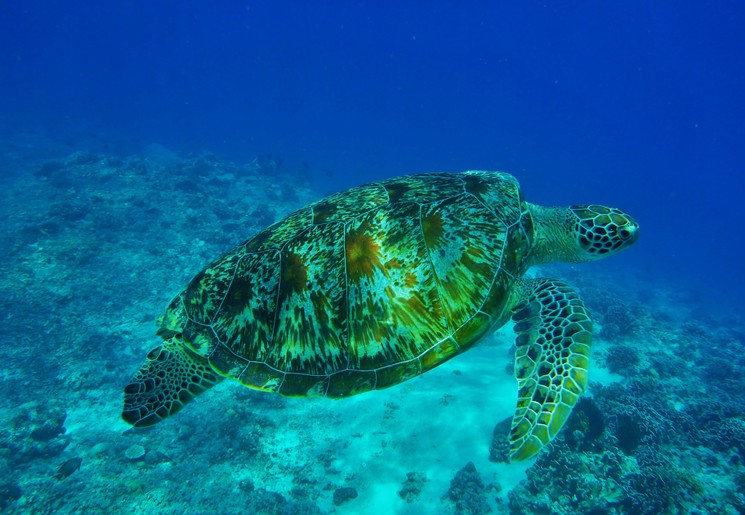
[
  {"x": 639, "y": 105},
  {"x": 636, "y": 104}
]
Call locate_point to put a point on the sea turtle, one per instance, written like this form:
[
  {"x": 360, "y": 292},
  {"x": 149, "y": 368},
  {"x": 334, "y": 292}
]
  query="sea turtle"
[{"x": 375, "y": 285}]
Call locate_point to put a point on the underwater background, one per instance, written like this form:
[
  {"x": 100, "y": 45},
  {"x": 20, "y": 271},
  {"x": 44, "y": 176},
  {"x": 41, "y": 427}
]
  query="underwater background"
[{"x": 141, "y": 140}]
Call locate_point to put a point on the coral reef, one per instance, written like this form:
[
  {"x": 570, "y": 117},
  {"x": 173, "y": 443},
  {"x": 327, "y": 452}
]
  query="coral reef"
[
  {"x": 622, "y": 359},
  {"x": 564, "y": 481},
  {"x": 618, "y": 321},
  {"x": 263, "y": 502},
  {"x": 467, "y": 491},
  {"x": 96, "y": 245},
  {"x": 412, "y": 487},
  {"x": 499, "y": 447},
  {"x": 344, "y": 494},
  {"x": 9, "y": 493},
  {"x": 661, "y": 489}
]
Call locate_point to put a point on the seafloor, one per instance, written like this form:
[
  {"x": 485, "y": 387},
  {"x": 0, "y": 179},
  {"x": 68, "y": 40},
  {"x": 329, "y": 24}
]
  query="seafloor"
[{"x": 95, "y": 246}]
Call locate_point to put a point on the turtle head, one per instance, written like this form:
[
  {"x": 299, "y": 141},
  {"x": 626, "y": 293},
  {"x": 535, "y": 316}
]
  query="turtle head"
[
  {"x": 580, "y": 233},
  {"x": 601, "y": 231}
]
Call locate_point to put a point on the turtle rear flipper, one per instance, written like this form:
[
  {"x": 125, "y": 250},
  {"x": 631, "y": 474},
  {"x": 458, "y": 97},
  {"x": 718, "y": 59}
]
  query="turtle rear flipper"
[
  {"x": 170, "y": 377},
  {"x": 554, "y": 333}
]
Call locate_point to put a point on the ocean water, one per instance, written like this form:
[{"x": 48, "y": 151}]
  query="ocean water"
[{"x": 139, "y": 141}]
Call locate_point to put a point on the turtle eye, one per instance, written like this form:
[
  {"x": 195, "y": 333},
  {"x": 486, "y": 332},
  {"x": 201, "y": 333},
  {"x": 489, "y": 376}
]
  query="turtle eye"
[{"x": 629, "y": 232}]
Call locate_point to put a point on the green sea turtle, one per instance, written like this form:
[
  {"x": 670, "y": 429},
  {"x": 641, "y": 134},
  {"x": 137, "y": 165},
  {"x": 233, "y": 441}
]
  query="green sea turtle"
[{"x": 375, "y": 285}]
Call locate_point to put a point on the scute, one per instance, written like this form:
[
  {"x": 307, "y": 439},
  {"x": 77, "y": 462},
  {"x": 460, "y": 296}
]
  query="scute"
[
  {"x": 206, "y": 291},
  {"x": 464, "y": 253},
  {"x": 339, "y": 207},
  {"x": 422, "y": 189},
  {"x": 499, "y": 191},
  {"x": 395, "y": 312},
  {"x": 310, "y": 335},
  {"x": 273, "y": 237},
  {"x": 245, "y": 321}
]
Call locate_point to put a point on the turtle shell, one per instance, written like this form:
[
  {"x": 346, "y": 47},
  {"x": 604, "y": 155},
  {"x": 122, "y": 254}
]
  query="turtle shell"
[{"x": 363, "y": 289}]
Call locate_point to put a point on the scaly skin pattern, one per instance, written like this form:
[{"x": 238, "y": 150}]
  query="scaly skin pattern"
[
  {"x": 552, "y": 355},
  {"x": 361, "y": 290}
]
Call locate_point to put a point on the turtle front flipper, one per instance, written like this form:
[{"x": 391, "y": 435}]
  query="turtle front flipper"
[
  {"x": 171, "y": 376},
  {"x": 554, "y": 333}
]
